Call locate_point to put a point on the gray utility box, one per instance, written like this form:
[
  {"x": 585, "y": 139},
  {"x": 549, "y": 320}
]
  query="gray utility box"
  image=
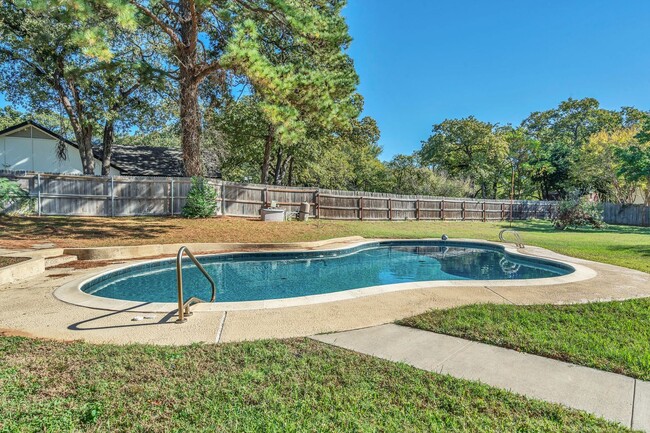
[
  {"x": 303, "y": 215},
  {"x": 272, "y": 214}
]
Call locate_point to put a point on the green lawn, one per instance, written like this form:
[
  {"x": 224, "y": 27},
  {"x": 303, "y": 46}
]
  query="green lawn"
[
  {"x": 612, "y": 336},
  {"x": 275, "y": 386}
]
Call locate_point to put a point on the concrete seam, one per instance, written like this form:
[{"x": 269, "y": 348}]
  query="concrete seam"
[
  {"x": 500, "y": 295},
  {"x": 451, "y": 355},
  {"x": 221, "y": 325},
  {"x": 633, "y": 404}
]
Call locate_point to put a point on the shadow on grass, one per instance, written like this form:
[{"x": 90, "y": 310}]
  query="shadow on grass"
[
  {"x": 639, "y": 250},
  {"x": 547, "y": 227},
  {"x": 39, "y": 229}
]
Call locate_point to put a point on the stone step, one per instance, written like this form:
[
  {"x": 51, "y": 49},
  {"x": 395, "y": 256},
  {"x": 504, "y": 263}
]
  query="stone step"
[{"x": 59, "y": 260}]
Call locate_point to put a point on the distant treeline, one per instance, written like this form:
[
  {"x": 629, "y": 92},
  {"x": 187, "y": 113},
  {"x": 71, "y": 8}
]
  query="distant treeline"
[{"x": 575, "y": 149}]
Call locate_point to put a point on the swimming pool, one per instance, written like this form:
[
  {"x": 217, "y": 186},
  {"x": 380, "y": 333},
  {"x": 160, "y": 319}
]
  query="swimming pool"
[{"x": 279, "y": 275}]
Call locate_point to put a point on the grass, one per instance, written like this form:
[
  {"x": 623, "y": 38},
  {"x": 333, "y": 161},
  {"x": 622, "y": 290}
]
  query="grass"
[
  {"x": 275, "y": 386},
  {"x": 618, "y": 245},
  {"x": 612, "y": 336},
  {"x": 6, "y": 261}
]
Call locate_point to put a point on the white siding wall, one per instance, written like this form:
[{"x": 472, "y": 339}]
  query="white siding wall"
[{"x": 19, "y": 152}]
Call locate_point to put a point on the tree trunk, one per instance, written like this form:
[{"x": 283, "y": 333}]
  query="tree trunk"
[
  {"x": 107, "y": 145},
  {"x": 281, "y": 166},
  {"x": 277, "y": 178},
  {"x": 266, "y": 163},
  {"x": 83, "y": 133},
  {"x": 189, "y": 88},
  {"x": 290, "y": 175},
  {"x": 86, "y": 151},
  {"x": 190, "y": 127},
  {"x": 83, "y": 136}
]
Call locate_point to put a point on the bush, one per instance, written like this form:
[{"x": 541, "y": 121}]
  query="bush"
[
  {"x": 578, "y": 213},
  {"x": 201, "y": 199},
  {"x": 14, "y": 199}
]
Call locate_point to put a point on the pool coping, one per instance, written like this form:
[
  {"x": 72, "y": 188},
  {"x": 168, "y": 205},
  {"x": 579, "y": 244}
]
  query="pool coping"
[{"x": 71, "y": 292}]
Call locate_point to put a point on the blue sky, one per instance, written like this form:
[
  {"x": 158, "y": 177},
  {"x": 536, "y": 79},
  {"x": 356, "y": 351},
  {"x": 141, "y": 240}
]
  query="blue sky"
[{"x": 421, "y": 62}]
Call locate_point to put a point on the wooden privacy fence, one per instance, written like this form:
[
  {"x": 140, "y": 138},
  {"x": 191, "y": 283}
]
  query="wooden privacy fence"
[
  {"x": 631, "y": 214},
  {"x": 128, "y": 196}
]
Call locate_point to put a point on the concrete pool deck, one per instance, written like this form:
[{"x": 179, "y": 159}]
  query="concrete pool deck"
[{"x": 30, "y": 306}]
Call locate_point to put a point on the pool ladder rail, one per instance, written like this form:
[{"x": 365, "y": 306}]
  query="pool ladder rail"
[
  {"x": 184, "y": 306},
  {"x": 517, "y": 239}
]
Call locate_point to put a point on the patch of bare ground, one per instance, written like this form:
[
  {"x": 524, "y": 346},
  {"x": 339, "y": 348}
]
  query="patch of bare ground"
[{"x": 6, "y": 261}]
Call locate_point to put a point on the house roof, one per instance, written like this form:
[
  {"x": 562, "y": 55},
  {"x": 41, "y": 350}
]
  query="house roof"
[
  {"x": 146, "y": 160},
  {"x": 130, "y": 160}
]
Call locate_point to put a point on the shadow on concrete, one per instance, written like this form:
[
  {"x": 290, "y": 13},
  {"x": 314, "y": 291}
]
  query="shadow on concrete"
[{"x": 79, "y": 326}]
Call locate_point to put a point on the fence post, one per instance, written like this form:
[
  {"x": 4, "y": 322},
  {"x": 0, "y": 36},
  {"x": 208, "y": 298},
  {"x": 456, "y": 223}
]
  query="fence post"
[
  {"x": 39, "y": 193},
  {"x": 317, "y": 202},
  {"x": 171, "y": 195},
  {"x": 462, "y": 210},
  {"x": 484, "y": 215},
  {"x": 223, "y": 198},
  {"x": 442, "y": 209},
  {"x": 361, "y": 208},
  {"x": 390, "y": 209},
  {"x": 417, "y": 209},
  {"x": 112, "y": 197}
]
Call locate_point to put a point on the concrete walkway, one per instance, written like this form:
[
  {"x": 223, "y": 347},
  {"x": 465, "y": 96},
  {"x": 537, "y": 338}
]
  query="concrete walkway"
[{"x": 612, "y": 396}]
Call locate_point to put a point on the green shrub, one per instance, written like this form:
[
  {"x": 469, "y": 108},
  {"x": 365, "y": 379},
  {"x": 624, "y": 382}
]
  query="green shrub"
[
  {"x": 201, "y": 199},
  {"x": 578, "y": 213},
  {"x": 13, "y": 198}
]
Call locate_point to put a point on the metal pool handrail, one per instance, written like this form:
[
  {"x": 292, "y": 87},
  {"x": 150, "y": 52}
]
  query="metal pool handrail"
[
  {"x": 518, "y": 242},
  {"x": 184, "y": 307}
]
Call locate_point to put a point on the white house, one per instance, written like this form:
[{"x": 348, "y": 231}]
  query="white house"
[{"x": 31, "y": 147}]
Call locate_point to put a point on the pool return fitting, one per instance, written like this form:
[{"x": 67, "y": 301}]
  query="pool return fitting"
[{"x": 184, "y": 307}]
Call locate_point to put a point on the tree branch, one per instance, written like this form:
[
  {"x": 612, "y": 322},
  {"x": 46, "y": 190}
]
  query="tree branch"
[
  {"x": 165, "y": 28},
  {"x": 206, "y": 70}
]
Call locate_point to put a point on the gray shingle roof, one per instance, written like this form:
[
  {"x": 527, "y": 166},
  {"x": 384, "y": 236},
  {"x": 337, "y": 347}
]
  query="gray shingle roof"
[
  {"x": 150, "y": 161},
  {"x": 146, "y": 161}
]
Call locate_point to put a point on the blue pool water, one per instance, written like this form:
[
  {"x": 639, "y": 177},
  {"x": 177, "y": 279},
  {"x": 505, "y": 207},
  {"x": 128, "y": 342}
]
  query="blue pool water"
[{"x": 259, "y": 276}]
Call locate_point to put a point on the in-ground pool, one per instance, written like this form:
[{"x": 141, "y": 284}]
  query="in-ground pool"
[{"x": 276, "y": 275}]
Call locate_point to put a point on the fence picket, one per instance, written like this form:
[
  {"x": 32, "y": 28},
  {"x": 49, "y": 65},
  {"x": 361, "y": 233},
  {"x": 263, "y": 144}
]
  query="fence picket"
[{"x": 130, "y": 195}]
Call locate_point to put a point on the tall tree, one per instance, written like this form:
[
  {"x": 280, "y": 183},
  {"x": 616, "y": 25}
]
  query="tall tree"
[
  {"x": 599, "y": 165},
  {"x": 467, "y": 148},
  {"x": 562, "y": 132},
  {"x": 228, "y": 38},
  {"x": 520, "y": 169},
  {"x": 635, "y": 161}
]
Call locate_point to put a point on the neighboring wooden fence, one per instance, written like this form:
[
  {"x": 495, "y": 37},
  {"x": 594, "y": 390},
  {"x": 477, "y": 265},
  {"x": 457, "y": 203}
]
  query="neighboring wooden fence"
[
  {"x": 126, "y": 196},
  {"x": 631, "y": 214}
]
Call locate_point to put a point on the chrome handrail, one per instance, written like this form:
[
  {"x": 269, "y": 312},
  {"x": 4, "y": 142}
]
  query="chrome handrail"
[
  {"x": 184, "y": 307},
  {"x": 518, "y": 241}
]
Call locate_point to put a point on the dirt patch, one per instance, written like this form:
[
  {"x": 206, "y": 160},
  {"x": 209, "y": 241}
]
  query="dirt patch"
[
  {"x": 83, "y": 232},
  {"x": 6, "y": 261},
  {"x": 58, "y": 275},
  {"x": 4, "y": 332}
]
